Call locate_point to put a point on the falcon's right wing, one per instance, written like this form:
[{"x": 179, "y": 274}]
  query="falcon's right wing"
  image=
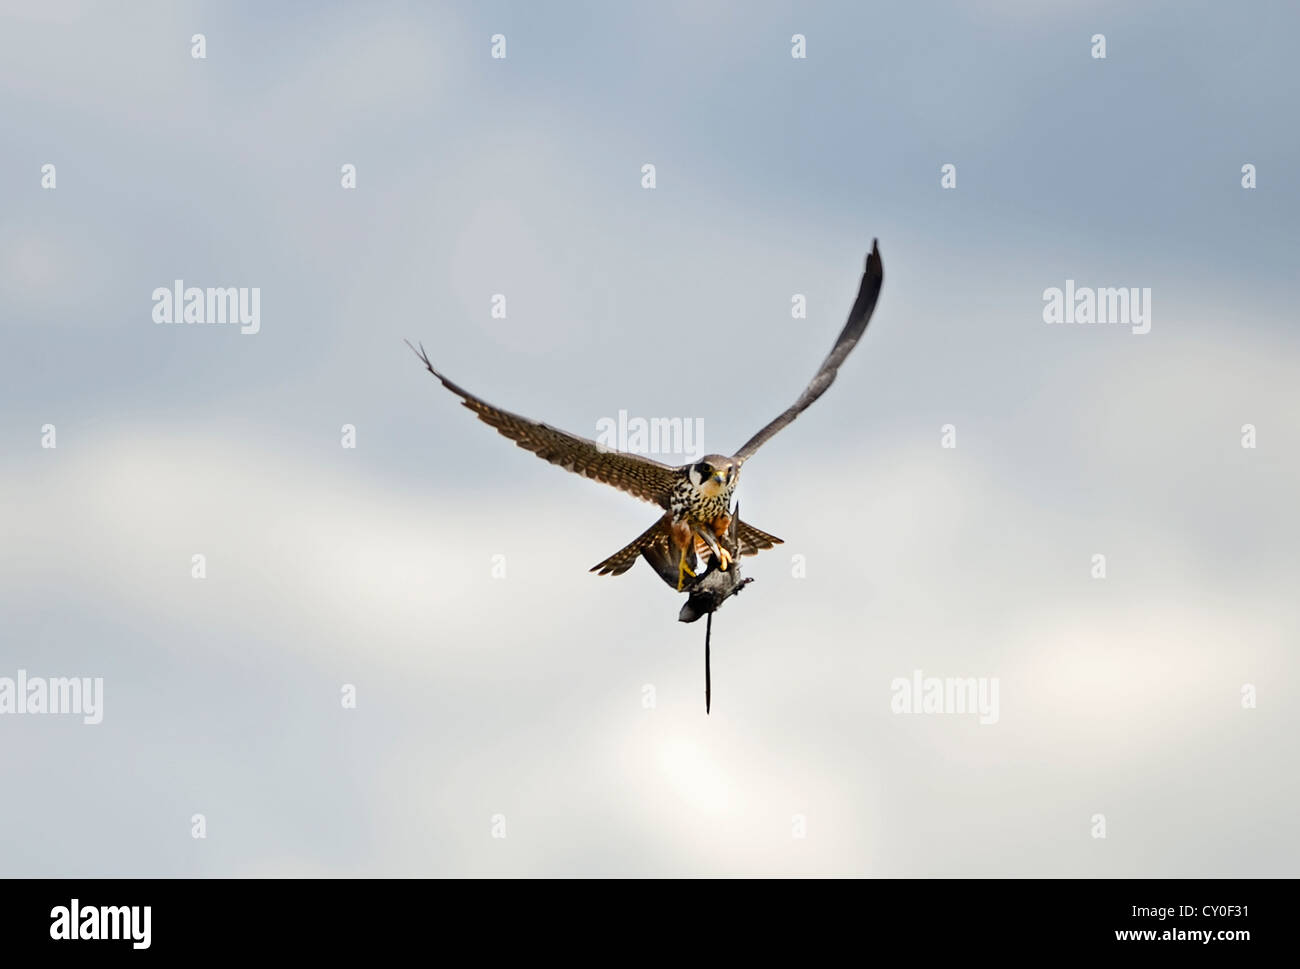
[{"x": 645, "y": 478}]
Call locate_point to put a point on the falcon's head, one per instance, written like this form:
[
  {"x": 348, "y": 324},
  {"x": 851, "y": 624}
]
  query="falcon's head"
[{"x": 713, "y": 474}]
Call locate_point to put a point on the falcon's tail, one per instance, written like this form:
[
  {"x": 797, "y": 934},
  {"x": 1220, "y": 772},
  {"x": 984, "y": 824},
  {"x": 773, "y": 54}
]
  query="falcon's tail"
[
  {"x": 752, "y": 540},
  {"x": 654, "y": 540}
]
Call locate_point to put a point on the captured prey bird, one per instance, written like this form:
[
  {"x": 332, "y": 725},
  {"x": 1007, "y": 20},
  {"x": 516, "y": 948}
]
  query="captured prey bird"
[
  {"x": 697, "y": 521},
  {"x": 707, "y": 592}
]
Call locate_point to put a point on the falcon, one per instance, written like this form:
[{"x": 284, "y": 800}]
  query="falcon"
[{"x": 696, "y": 497}]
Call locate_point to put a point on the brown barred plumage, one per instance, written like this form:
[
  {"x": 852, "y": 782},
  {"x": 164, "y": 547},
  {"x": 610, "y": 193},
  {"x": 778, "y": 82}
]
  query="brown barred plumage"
[
  {"x": 694, "y": 496},
  {"x": 646, "y": 479}
]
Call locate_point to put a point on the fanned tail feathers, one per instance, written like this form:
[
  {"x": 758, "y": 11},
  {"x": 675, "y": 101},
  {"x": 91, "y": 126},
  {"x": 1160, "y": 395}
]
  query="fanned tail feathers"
[{"x": 751, "y": 541}]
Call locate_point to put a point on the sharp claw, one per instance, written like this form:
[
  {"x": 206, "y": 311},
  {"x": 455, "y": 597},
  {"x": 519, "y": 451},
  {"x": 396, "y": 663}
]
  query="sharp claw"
[{"x": 683, "y": 570}]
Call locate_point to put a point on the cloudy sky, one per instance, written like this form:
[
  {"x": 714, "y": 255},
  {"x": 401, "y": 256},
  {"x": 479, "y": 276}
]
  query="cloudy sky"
[{"x": 442, "y": 573}]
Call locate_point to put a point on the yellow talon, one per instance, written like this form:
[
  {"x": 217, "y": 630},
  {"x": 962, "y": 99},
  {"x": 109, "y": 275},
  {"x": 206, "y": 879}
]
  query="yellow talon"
[
  {"x": 724, "y": 559},
  {"x": 683, "y": 570}
]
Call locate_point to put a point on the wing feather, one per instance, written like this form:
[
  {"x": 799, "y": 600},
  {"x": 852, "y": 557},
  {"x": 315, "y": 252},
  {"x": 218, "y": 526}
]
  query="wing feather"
[
  {"x": 859, "y": 316},
  {"x": 645, "y": 478}
]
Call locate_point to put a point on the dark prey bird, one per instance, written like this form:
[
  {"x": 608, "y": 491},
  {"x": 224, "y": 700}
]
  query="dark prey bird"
[
  {"x": 707, "y": 592},
  {"x": 696, "y": 498}
]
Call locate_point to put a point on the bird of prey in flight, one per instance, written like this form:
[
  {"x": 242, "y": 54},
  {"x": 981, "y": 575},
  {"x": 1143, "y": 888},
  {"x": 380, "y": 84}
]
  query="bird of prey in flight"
[{"x": 696, "y": 498}]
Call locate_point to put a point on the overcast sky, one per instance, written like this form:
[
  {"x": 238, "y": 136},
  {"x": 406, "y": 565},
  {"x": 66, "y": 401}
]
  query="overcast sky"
[{"x": 516, "y": 704}]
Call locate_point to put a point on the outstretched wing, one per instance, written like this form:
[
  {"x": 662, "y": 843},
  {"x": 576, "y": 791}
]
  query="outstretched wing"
[
  {"x": 647, "y": 479},
  {"x": 847, "y": 340}
]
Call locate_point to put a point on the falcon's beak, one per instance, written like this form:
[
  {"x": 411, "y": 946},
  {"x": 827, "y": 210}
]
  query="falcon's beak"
[{"x": 720, "y": 477}]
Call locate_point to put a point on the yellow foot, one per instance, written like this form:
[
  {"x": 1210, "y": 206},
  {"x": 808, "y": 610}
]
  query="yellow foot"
[
  {"x": 724, "y": 559},
  {"x": 683, "y": 570}
]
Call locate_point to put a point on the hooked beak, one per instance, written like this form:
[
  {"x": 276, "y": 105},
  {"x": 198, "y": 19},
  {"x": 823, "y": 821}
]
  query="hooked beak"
[{"x": 720, "y": 477}]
